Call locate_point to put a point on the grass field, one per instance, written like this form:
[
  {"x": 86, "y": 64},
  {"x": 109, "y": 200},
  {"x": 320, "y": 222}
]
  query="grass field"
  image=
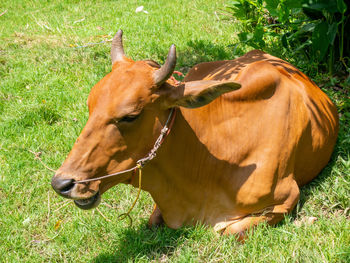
[{"x": 44, "y": 83}]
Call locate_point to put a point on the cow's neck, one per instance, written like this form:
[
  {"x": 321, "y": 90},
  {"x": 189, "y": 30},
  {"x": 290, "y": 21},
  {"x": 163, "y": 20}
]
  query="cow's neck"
[{"x": 171, "y": 178}]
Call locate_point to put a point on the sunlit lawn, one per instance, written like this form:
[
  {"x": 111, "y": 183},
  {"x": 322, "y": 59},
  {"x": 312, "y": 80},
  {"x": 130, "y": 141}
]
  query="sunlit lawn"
[{"x": 44, "y": 83}]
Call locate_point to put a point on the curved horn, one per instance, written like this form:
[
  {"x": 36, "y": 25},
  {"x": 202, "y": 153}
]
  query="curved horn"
[
  {"x": 117, "y": 51},
  {"x": 162, "y": 74}
]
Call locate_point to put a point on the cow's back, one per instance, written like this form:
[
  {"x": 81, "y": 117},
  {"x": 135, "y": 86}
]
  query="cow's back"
[{"x": 278, "y": 112}]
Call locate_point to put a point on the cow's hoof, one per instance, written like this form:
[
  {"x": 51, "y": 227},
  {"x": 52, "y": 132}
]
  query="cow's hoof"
[{"x": 156, "y": 218}]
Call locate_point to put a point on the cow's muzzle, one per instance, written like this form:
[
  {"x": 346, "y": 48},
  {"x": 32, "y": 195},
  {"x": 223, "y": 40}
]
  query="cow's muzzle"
[{"x": 67, "y": 189}]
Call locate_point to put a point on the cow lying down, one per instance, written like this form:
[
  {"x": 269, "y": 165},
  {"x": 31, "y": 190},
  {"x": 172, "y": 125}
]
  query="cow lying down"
[{"x": 247, "y": 134}]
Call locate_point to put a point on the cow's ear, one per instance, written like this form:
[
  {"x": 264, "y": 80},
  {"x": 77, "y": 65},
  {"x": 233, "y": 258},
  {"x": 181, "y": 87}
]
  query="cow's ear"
[{"x": 194, "y": 94}]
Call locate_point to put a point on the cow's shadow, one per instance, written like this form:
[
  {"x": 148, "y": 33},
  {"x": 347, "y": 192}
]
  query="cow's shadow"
[{"x": 145, "y": 243}]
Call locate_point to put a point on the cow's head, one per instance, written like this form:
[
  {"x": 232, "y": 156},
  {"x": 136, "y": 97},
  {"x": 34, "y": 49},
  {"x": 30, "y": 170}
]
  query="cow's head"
[{"x": 127, "y": 110}]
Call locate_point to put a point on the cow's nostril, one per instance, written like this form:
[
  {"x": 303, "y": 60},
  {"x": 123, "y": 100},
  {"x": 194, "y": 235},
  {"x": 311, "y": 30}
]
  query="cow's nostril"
[
  {"x": 67, "y": 186},
  {"x": 62, "y": 186}
]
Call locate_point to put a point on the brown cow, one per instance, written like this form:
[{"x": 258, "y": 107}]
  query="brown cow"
[{"x": 248, "y": 133}]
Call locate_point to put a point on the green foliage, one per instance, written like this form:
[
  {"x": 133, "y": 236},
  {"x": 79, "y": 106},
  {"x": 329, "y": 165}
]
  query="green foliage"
[{"x": 312, "y": 29}]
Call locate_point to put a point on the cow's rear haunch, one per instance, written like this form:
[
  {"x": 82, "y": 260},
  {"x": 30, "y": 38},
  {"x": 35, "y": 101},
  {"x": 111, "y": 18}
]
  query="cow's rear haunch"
[{"x": 248, "y": 133}]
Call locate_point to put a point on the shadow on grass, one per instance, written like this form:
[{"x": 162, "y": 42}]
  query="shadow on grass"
[
  {"x": 145, "y": 243},
  {"x": 33, "y": 117},
  {"x": 197, "y": 51}
]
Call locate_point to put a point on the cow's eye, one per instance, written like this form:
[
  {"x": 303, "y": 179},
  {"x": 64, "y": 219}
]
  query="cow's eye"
[{"x": 129, "y": 118}]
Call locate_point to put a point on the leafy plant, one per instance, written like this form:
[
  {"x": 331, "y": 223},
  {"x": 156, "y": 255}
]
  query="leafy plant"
[{"x": 313, "y": 29}]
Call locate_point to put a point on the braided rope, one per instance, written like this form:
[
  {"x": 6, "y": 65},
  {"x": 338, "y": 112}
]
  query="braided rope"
[{"x": 127, "y": 214}]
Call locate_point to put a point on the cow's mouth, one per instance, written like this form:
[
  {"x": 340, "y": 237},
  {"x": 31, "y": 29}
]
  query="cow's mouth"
[{"x": 90, "y": 202}]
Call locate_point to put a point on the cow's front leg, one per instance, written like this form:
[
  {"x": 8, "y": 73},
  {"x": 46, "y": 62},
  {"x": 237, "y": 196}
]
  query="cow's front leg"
[
  {"x": 240, "y": 228},
  {"x": 156, "y": 218},
  {"x": 271, "y": 215}
]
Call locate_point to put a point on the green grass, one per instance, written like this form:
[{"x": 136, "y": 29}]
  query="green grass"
[{"x": 44, "y": 83}]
